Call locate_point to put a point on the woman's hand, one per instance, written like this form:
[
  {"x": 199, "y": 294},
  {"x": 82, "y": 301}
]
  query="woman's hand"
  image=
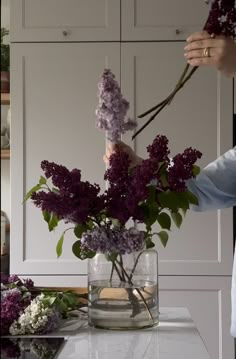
[
  {"x": 218, "y": 51},
  {"x": 112, "y": 148}
]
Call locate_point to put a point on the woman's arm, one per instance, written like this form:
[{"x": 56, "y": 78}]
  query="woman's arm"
[{"x": 215, "y": 186}]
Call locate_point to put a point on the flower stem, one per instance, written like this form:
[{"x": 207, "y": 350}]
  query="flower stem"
[
  {"x": 137, "y": 289},
  {"x": 170, "y": 97}
]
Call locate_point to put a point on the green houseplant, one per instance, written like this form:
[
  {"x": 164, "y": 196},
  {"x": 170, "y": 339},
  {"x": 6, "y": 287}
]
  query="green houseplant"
[{"x": 5, "y": 63}]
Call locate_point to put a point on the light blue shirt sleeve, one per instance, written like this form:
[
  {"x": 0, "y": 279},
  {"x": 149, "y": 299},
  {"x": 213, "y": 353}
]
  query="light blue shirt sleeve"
[{"x": 215, "y": 186}]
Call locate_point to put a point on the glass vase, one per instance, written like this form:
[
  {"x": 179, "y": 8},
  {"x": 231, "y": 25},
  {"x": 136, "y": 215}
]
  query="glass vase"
[{"x": 123, "y": 293}]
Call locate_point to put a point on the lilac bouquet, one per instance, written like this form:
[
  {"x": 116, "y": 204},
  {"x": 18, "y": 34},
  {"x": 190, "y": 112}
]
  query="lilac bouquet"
[
  {"x": 26, "y": 309},
  {"x": 154, "y": 191},
  {"x": 221, "y": 21},
  {"x": 144, "y": 194}
]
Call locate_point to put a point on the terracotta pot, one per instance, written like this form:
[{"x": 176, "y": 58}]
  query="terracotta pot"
[{"x": 5, "y": 81}]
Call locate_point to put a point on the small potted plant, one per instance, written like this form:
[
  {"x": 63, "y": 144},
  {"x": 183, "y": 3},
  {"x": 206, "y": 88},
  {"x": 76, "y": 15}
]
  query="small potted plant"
[{"x": 5, "y": 63}]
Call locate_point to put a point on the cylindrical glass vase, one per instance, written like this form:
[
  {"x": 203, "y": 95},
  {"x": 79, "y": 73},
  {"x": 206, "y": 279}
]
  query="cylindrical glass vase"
[{"x": 123, "y": 293}]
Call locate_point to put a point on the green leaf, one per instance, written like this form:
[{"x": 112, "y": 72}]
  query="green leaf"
[
  {"x": 164, "y": 220},
  {"x": 59, "y": 245},
  {"x": 169, "y": 200},
  {"x": 182, "y": 200},
  {"x": 53, "y": 221},
  {"x": 163, "y": 180},
  {"x": 42, "y": 180},
  {"x": 149, "y": 243},
  {"x": 31, "y": 191},
  {"x": 76, "y": 249},
  {"x": 183, "y": 211},
  {"x": 192, "y": 198},
  {"x": 51, "y": 300},
  {"x": 163, "y": 235},
  {"x": 46, "y": 216},
  {"x": 79, "y": 230},
  {"x": 196, "y": 170},
  {"x": 112, "y": 257},
  {"x": 177, "y": 218}
]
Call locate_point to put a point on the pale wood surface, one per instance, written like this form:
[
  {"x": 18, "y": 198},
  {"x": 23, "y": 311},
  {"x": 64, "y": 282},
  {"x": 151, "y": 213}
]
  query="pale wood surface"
[
  {"x": 5, "y": 154},
  {"x": 5, "y": 99}
]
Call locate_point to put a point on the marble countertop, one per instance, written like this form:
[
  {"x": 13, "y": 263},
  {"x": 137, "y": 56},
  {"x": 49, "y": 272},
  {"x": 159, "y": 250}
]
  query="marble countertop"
[{"x": 176, "y": 337}]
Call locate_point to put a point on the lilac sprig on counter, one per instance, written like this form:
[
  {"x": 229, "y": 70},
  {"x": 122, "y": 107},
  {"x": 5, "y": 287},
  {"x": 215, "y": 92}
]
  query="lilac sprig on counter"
[
  {"x": 112, "y": 108},
  {"x": 26, "y": 309}
]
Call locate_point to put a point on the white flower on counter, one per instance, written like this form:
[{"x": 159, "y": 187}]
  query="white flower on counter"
[{"x": 38, "y": 318}]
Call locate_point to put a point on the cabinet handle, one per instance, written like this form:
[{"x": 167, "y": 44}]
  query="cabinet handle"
[
  {"x": 177, "y": 31},
  {"x": 65, "y": 32}
]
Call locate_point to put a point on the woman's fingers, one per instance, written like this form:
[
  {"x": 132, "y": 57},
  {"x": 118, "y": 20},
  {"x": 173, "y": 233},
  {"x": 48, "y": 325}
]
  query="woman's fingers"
[
  {"x": 200, "y": 35},
  {"x": 202, "y": 44},
  {"x": 208, "y": 61}
]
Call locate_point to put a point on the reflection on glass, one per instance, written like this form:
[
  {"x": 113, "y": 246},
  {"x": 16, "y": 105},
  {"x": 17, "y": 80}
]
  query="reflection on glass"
[
  {"x": 123, "y": 345},
  {"x": 30, "y": 348}
]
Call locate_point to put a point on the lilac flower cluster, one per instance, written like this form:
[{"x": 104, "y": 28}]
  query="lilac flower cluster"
[
  {"x": 222, "y": 18},
  {"x": 74, "y": 200},
  {"x": 107, "y": 240},
  {"x": 182, "y": 169},
  {"x": 112, "y": 108},
  {"x": 12, "y": 300},
  {"x": 127, "y": 189},
  {"x": 11, "y": 307}
]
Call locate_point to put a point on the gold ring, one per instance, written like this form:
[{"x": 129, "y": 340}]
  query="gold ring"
[{"x": 206, "y": 52}]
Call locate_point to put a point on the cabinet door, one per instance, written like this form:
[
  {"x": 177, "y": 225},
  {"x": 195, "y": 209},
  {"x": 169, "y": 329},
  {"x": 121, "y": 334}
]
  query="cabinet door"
[
  {"x": 53, "y": 117},
  {"x": 162, "y": 19},
  {"x": 208, "y": 301},
  {"x": 65, "y": 20},
  {"x": 200, "y": 117}
]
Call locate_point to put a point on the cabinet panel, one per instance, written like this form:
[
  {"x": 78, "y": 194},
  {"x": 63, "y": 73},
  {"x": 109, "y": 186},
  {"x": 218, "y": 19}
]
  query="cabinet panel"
[
  {"x": 162, "y": 19},
  {"x": 200, "y": 117},
  {"x": 53, "y": 118},
  {"x": 65, "y": 20},
  {"x": 208, "y": 301}
]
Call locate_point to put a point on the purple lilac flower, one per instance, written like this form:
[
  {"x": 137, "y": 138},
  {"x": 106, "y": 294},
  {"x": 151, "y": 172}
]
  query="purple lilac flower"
[
  {"x": 4, "y": 278},
  {"x": 10, "y": 349},
  {"x": 107, "y": 240},
  {"x": 15, "y": 279},
  {"x": 11, "y": 307},
  {"x": 222, "y": 18},
  {"x": 182, "y": 169},
  {"x": 112, "y": 108},
  {"x": 28, "y": 283},
  {"x": 74, "y": 201},
  {"x": 158, "y": 150}
]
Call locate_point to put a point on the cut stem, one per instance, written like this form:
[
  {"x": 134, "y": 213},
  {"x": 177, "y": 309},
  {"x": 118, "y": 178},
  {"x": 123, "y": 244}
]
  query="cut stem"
[{"x": 166, "y": 102}]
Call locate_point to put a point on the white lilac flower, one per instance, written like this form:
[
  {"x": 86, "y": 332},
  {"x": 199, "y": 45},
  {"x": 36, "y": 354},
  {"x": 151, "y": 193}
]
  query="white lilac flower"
[
  {"x": 38, "y": 318},
  {"x": 112, "y": 108}
]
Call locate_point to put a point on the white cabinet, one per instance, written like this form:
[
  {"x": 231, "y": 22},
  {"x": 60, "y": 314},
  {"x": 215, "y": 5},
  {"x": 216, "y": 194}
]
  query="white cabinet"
[
  {"x": 53, "y": 118},
  {"x": 65, "y": 20},
  {"x": 208, "y": 301},
  {"x": 200, "y": 116},
  {"x": 162, "y": 19}
]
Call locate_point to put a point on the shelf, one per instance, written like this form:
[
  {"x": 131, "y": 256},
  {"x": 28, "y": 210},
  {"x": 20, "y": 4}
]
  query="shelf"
[
  {"x": 5, "y": 99},
  {"x": 5, "y": 154}
]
